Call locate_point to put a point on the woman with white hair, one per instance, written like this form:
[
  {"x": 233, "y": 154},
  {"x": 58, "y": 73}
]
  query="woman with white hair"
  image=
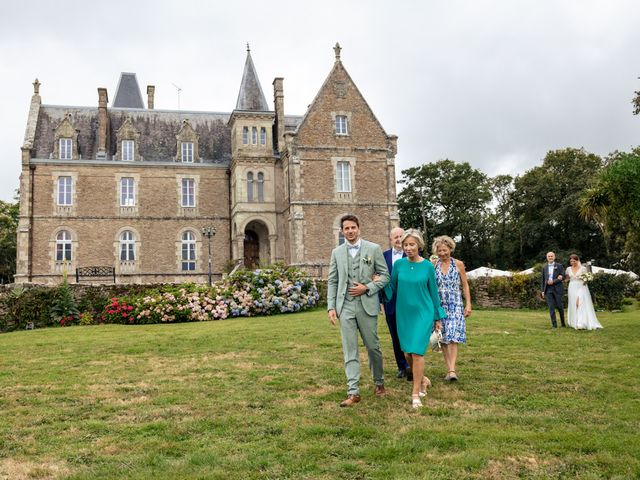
[
  {"x": 418, "y": 308},
  {"x": 452, "y": 278}
]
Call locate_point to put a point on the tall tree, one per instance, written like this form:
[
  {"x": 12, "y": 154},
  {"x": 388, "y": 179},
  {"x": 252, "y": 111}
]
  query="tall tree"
[
  {"x": 614, "y": 203},
  {"x": 8, "y": 237},
  {"x": 448, "y": 198},
  {"x": 504, "y": 242},
  {"x": 545, "y": 207}
]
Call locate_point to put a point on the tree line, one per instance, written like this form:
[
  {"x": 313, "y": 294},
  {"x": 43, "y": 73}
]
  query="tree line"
[{"x": 575, "y": 201}]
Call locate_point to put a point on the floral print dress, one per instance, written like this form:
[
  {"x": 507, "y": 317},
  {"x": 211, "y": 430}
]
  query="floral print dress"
[{"x": 450, "y": 292}]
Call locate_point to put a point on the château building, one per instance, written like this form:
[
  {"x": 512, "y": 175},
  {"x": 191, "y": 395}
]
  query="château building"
[{"x": 131, "y": 188}]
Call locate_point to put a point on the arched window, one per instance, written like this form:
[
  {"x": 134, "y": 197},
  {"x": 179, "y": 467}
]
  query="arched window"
[
  {"x": 254, "y": 135},
  {"x": 63, "y": 246},
  {"x": 188, "y": 251},
  {"x": 340, "y": 238},
  {"x": 127, "y": 246},
  {"x": 249, "y": 186},
  {"x": 260, "y": 187}
]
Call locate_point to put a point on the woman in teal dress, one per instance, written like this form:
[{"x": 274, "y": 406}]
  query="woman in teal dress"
[{"x": 418, "y": 309}]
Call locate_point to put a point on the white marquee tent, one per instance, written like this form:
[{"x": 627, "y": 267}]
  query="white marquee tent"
[
  {"x": 488, "y": 272},
  {"x": 612, "y": 271}
]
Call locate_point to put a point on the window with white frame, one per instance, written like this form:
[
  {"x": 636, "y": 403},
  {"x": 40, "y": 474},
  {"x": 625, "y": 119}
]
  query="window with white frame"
[
  {"x": 249, "y": 186},
  {"x": 65, "y": 146},
  {"x": 260, "y": 187},
  {"x": 63, "y": 246},
  {"x": 127, "y": 192},
  {"x": 188, "y": 251},
  {"x": 254, "y": 135},
  {"x": 245, "y": 135},
  {"x": 187, "y": 152},
  {"x": 65, "y": 190},
  {"x": 341, "y": 125},
  {"x": 127, "y": 246},
  {"x": 188, "y": 192},
  {"x": 127, "y": 150},
  {"x": 343, "y": 177},
  {"x": 263, "y": 136}
]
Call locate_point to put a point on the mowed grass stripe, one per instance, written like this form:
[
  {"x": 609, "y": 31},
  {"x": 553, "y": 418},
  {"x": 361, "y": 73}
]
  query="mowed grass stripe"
[{"x": 258, "y": 398}]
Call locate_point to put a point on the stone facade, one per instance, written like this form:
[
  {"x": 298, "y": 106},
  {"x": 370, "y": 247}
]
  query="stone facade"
[{"x": 132, "y": 188}]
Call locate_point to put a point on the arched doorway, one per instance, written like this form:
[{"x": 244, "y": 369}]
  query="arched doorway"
[{"x": 251, "y": 249}]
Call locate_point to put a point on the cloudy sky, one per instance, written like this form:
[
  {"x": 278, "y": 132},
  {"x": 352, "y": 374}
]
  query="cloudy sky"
[{"x": 496, "y": 83}]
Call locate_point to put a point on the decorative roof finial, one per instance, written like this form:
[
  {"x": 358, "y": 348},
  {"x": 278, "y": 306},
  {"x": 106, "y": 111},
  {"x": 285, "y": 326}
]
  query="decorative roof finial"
[
  {"x": 248, "y": 49},
  {"x": 337, "y": 50},
  {"x": 36, "y": 87}
]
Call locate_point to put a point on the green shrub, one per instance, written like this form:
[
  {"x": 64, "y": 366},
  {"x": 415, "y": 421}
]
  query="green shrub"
[
  {"x": 608, "y": 291},
  {"x": 64, "y": 310},
  {"x": 28, "y": 306},
  {"x": 86, "y": 319}
]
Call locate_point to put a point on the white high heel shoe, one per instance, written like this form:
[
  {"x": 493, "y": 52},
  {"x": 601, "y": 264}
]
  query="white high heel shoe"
[
  {"x": 426, "y": 383},
  {"x": 415, "y": 401}
]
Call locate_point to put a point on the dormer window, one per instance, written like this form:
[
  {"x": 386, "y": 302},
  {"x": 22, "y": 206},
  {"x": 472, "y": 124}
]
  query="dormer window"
[
  {"x": 65, "y": 148},
  {"x": 341, "y": 125},
  {"x": 128, "y": 150},
  {"x": 65, "y": 140},
  {"x": 187, "y": 152},
  {"x": 187, "y": 144}
]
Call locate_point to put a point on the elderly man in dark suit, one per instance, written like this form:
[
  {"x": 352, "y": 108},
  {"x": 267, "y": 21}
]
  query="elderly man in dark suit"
[
  {"x": 390, "y": 257},
  {"x": 552, "y": 289}
]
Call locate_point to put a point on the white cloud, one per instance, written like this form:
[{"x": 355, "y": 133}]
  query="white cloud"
[{"x": 496, "y": 83}]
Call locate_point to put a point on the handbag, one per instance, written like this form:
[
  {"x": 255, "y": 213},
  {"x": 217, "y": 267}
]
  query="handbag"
[{"x": 435, "y": 340}]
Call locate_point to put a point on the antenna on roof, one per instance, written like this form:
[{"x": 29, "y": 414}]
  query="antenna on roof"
[{"x": 179, "y": 89}]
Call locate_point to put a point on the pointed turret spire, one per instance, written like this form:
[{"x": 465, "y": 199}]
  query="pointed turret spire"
[
  {"x": 250, "y": 96},
  {"x": 128, "y": 92}
]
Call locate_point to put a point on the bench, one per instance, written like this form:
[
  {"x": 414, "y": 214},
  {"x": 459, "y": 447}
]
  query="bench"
[{"x": 95, "y": 273}]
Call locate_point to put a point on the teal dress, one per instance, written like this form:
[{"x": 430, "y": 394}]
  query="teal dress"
[{"x": 417, "y": 304}]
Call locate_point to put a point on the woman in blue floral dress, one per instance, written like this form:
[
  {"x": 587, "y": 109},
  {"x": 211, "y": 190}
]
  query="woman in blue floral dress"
[{"x": 452, "y": 281}]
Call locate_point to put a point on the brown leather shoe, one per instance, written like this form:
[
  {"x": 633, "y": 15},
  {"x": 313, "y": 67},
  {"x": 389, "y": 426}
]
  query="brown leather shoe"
[
  {"x": 350, "y": 400},
  {"x": 379, "y": 391}
]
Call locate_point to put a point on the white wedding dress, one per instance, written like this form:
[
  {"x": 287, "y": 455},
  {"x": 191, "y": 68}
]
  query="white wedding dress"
[{"x": 582, "y": 316}]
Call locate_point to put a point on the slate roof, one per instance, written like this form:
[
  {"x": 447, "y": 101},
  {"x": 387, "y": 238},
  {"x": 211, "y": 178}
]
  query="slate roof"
[
  {"x": 250, "y": 96},
  {"x": 128, "y": 92},
  {"x": 157, "y": 128}
]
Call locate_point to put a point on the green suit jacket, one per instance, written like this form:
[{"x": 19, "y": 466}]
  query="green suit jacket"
[{"x": 371, "y": 261}]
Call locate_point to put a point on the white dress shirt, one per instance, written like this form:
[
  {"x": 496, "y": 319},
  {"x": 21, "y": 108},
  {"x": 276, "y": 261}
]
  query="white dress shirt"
[
  {"x": 353, "y": 248},
  {"x": 396, "y": 255}
]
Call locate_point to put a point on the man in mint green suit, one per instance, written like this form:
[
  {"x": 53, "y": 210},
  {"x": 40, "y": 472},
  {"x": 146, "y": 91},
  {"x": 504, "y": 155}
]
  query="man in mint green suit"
[{"x": 352, "y": 297}]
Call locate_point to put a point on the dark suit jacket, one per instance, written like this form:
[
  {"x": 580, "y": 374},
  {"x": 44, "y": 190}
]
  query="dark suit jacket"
[
  {"x": 557, "y": 286},
  {"x": 390, "y": 306}
]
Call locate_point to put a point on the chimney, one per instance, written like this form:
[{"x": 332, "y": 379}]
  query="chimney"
[
  {"x": 103, "y": 124},
  {"x": 151, "y": 90},
  {"x": 278, "y": 103}
]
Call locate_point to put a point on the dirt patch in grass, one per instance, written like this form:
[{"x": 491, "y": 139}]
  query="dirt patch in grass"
[
  {"x": 14, "y": 469},
  {"x": 517, "y": 467}
]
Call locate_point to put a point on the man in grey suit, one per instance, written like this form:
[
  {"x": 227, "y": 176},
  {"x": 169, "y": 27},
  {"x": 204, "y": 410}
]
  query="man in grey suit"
[
  {"x": 352, "y": 297},
  {"x": 552, "y": 289}
]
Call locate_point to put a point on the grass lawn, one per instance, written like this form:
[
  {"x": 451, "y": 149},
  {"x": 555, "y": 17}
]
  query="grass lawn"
[{"x": 258, "y": 398}]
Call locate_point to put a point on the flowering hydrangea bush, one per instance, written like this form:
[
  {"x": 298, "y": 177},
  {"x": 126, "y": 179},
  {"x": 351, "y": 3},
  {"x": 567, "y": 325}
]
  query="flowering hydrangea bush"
[
  {"x": 267, "y": 291},
  {"x": 117, "y": 311}
]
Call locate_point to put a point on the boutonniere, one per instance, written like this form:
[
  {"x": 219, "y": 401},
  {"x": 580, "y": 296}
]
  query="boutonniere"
[{"x": 367, "y": 260}]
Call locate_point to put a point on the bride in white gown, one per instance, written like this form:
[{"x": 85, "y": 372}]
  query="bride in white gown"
[{"x": 581, "y": 312}]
